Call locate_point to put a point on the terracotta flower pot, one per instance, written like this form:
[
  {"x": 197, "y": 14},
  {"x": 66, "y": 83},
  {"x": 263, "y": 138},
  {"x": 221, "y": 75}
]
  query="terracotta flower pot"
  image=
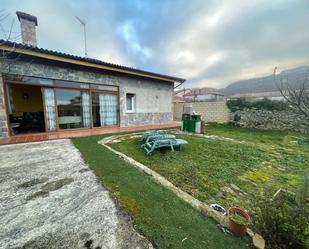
[{"x": 238, "y": 229}]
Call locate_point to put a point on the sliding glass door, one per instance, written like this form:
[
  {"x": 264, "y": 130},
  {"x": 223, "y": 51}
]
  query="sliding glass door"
[
  {"x": 65, "y": 104},
  {"x": 104, "y": 109},
  {"x": 70, "y": 108}
]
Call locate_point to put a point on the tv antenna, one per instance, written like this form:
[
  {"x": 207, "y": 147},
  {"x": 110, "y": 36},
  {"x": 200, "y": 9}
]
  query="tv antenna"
[{"x": 83, "y": 23}]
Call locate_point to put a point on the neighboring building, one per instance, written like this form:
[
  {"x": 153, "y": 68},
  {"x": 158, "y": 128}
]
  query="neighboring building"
[
  {"x": 203, "y": 94},
  {"x": 43, "y": 90},
  {"x": 213, "y": 96},
  {"x": 179, "y": 94}
]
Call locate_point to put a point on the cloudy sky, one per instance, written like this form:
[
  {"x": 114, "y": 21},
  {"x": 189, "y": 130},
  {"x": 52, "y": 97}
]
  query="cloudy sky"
[{"x": 211, "y": 43}]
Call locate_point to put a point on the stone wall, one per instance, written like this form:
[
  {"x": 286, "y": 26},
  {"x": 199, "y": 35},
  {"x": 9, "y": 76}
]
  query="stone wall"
[
  {"x": 272, "y": 120},
  {"x": 210, "y": 111},
  {"x": 147, "y": 118},
  {"x": 177, "y": 111},
  {"x": 250, "y": 118},
  {"x": 153, "y": 98}
]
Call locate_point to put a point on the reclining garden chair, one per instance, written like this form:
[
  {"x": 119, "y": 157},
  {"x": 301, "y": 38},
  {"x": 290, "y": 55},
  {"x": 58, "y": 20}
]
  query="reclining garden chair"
[
  {"x": 156, "y": 136},
  {"x": 148, "y": 134},
  {"x": 161, "y": 142}
]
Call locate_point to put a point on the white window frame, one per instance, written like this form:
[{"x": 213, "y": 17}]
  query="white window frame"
[{"x": 133, "y": 103}]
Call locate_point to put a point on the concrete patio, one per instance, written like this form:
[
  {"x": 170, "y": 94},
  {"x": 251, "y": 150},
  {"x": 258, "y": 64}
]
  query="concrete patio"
[{"x": 49, "y": 198}]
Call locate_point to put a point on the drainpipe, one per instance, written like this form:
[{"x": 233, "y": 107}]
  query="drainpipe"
[{"x": 178, "y": 85}]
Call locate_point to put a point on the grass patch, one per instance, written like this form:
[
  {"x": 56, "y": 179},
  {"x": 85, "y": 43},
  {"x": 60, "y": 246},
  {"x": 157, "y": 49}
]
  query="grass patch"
[
  {"x": 257, "y": 162},
  {"x": 160, "y": 215},
  {"x": 288, "y": 158},
  {"x": 246, "y": 134},
  {"x": 200, "y": 168}
]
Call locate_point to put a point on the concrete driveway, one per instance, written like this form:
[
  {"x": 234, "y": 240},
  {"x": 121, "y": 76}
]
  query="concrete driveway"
[{"x": 50, "y": 199}]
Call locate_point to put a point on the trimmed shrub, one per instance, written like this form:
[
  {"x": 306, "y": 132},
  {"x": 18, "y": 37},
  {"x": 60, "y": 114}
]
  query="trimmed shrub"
[
  {"x": 264, "y": 104},
  {"x": 283, "y": 223}
]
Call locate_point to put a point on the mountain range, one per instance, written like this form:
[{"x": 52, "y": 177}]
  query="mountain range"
[{"x": 294, "y": 77}]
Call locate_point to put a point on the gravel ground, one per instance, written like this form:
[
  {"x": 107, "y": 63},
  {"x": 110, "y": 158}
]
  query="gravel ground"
[{"x": 49, "y": 198}]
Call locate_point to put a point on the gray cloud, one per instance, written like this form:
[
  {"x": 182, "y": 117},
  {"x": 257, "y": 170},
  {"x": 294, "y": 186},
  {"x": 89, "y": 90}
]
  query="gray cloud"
[{"x": 210, "y": 43}]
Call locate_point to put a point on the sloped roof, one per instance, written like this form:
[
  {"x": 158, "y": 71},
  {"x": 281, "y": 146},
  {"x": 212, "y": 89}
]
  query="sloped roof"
[{"x": 22, "y": 48}]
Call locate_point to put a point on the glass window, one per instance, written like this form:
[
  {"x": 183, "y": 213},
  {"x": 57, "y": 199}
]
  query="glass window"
[
  {"x": 46, "y": 82},
  {"x": 69, "y": 104},
  {"x": 50, "y": 110},
  {"x": 64, "y": 83},
  {"x": 104, "y": 87},
  {"x": 104, "y": 109},
  {"x": 130, "y": 102},
  {"x": 84, "y": 85},
  {"x": 95, "y": 110},
  {"x": 29, "y": 80}
]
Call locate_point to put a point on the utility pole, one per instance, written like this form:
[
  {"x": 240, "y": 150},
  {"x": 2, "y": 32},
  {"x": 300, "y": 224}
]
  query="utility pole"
[{"x": 83, "y": 23}]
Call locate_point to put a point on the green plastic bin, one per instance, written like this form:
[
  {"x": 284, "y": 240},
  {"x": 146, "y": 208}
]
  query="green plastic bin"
[{"x": 189, "y": 122}]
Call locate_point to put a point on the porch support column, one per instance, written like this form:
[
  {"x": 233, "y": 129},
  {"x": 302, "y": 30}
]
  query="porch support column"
[{"x": 4, "y": 132}]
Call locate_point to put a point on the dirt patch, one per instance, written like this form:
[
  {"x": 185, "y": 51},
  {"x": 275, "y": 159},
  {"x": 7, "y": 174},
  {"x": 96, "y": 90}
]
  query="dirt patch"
[
  {"x": 83, "y": 170},
  {"x": 50, "y": 186},
  {"x": 54, "y": 185},
  {"x": 33, "y": 182},
  {"x": 37, "y": 195}
]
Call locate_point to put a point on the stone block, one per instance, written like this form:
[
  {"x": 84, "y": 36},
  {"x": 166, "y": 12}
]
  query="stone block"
[{"x": 274, "y": 120}]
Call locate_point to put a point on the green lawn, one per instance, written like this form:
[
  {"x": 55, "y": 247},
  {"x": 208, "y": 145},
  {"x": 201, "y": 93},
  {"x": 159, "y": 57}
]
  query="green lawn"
[
  {"x": 200, "y": 168},
  {"x": 256, "y": 161},
  {"x": 161, "y": 216},
  {"x": 246, "y": 134}
]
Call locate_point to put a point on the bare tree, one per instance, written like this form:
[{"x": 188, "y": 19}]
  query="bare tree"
[
  {"x": 296, "y": 97},
  {"x": 7, "y": 34}
]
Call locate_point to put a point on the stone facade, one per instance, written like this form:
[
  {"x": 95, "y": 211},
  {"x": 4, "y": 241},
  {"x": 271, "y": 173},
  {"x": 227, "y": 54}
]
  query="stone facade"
[
  {"x": 147, "y": 118},
  {"x": 153, "y": 98},
  {"x": 216, "y": 111},
  {"x": 272, "y": 120}
]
